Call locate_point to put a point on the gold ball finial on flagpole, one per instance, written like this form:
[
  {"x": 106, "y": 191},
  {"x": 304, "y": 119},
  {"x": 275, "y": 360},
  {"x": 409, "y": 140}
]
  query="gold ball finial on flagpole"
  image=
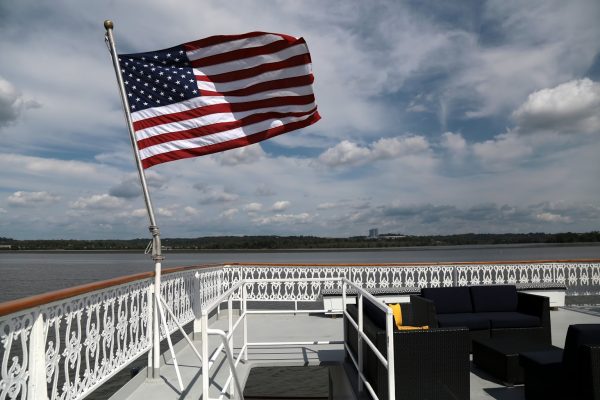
[{"x": 108, "y": 24}]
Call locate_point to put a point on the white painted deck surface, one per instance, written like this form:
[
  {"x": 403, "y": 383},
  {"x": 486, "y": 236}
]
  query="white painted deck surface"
[{"x": 265, "y": 328}]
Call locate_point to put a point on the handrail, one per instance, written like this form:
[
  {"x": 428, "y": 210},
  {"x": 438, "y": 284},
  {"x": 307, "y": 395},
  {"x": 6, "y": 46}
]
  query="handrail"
[
  {"x": 387, "y": 363},
  {"x": 230, "y": 359},
  {"x": 413, "y": 264},
  {"x": 12, "y": 306}
]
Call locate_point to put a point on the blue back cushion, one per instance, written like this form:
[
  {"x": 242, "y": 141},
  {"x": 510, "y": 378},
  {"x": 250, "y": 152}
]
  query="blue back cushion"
[
  {"x": 374, "y": 313},
  {"x": 578, "y": 335},
  {"x": 449, "y": 300},
  {"x": 494, "y": 298}
]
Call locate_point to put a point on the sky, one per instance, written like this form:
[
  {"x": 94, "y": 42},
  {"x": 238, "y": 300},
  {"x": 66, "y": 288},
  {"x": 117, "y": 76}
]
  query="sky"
[{"x": 437, "y": 118}]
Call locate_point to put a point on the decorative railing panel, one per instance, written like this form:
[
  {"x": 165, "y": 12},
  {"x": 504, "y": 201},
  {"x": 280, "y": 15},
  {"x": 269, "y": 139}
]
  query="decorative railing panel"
[{"x": 578, "y": 278}]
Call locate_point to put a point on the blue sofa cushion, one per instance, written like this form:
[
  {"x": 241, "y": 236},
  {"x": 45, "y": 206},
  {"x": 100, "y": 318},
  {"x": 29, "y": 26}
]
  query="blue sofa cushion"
[
  {"x": 374, "y": 313},
  {"x": 449, "y": 300},
  {"x": 470, "y": 320},
  {"x": 543, "y": 358},
  {"x": 508, "y": 319},
  {"x": 494, "y": 298}
]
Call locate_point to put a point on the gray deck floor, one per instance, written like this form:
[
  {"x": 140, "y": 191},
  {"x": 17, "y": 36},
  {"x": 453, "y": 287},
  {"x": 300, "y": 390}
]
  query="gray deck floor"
[{"x": 266, "y": 328}]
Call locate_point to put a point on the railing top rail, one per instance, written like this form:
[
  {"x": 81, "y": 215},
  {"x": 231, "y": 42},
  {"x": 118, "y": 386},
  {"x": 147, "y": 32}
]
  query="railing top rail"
[
  {"x": 412, "y": 264},
  {"x": 369, "y": 296},
  {"x": 13, "y": 306},
  {"x": 215, "y": 302}
]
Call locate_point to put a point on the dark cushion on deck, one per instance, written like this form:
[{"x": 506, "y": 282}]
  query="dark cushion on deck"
[
  {"x": 375, "y": 314},
  {"x": 543, "y": 358},
  {"x": 469, "y": 320},
  {"x": 449, "y": 300},
  {"x": 494, "y": 298},
  {"x": 511, "y": 320}
]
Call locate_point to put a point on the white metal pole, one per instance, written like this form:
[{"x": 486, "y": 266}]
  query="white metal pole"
[
  {"x": 230, "y": 332},
  {"x": 389, "y": 333},
  {"x": 245, "y": 308},
  {"x": 156, "y": 245},
  {"x": 360, "y": 340},
  {"x": 205, "y": 355}
]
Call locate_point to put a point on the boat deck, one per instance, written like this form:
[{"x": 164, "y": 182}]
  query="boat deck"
[{"x": 301, "y": 327}]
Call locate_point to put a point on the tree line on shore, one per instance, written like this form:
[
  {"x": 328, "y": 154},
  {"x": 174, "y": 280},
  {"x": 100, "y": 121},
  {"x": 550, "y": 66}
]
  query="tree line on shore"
[{"x": 302, "y": 242}]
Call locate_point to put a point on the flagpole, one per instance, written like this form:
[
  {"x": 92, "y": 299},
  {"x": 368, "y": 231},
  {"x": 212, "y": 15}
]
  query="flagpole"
[{"x": 156, "y": 245}]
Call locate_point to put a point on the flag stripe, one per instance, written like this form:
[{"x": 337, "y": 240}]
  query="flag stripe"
[
  {"x": 220, "y": 39},
  {"x": 220, "y": 137},
  {"x": 291, "y": 62},
  {"x": 216, "y": 127},
  {"x": 221, "y": 108},
  {"x": 251, "y": 62},
  {"x": 264, "y": 86},
  {"x": 216, "y": 118},
  {"x": 195, "y": 53},
  {"x": 239, "y": 54},
  {"x": 231, "y": 144},
  {"x": 210, "y": 100},
  {"x": 241, "y": 83}
]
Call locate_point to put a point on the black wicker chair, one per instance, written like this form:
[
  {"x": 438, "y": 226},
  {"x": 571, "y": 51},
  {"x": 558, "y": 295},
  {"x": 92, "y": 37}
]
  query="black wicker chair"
[
  {"x": 572, "y": 373},
  {"x": 429, "y": 364}
]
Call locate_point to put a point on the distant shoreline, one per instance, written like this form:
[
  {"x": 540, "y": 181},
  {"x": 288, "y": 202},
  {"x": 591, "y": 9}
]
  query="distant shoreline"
[{"x": 317, "y": 249}]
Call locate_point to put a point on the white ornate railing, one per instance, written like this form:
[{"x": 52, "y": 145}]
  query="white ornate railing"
[
  {"x": 65, "y": 348},
  {"x": 580, "y": 278}
]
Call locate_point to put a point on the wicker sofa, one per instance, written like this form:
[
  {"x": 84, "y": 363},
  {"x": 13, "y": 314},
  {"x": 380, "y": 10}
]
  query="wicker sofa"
[
  {"x": 491, "y": 311},
  {"x": 429, "y": 364}
]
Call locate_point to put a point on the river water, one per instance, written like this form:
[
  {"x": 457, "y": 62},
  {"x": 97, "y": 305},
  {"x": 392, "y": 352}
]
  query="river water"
[{"x": 27, "y": 273}]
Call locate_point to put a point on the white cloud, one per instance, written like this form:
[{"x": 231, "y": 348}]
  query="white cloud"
[
  {"x": 12, "y": 103},
  {"x": 551, "y": 217},
  {"x": 280, "y": 205},
  {"x": 190, "y": 211},
  {"x": 139, "y": 212},
  {"x": 326, "y": 206},
  {"x": 502, "y": 150},
  {"x": 301, "y": 218},
  {"x": 3, "y": 211},
  {"x": 345, "y": 153},
  {"x": 242, "y": 155},
  {"x": 27, "y": 199},
  {"x": 229, "y": 213},
  {"x": 212, "y": 194},
  {"x": 349, "y": 153},
  {"x": 454, "y": 142},
  {"x": 572, "y": 107},
  {"x": 253, "y": 207},
  {"x": 165, "y": 212},
  {"x": 98, "y": 202}
]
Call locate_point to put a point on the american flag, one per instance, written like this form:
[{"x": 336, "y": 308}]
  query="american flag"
[{"x": 217, "y": 93}]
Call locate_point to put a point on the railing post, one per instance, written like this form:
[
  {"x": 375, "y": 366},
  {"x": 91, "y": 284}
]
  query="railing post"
[
  {"x": 244, "y": 309},
  {"x": 389, "y": 327},
  {"x": 205, "y": 372},
  {"x": 36, "y": 384},
  {"x": 156, "y": 329},
  {"x": 197, "y": 307},
  {"x": 360, "y": 340},
  {"x": 150, "y": 327},
  {"x": 230, "y": 331}
]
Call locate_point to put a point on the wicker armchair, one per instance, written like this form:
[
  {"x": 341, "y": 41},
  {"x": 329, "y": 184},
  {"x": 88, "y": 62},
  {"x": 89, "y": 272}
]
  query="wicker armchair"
[
  {"x": 572, "y": 373},
  {"x": 429, "y": 364}
]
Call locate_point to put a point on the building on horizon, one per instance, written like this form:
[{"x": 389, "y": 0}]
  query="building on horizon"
[{"x": 373, "y": 233}]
